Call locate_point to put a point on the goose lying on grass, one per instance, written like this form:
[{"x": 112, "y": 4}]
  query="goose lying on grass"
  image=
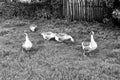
[
  {"x": 27, "y": 45},
  {"x": 48, "y": 35},
  {"x": 62, "y": 37},
  {"x": 89, "y": 46},
  {"x": 33, "y": 27}
]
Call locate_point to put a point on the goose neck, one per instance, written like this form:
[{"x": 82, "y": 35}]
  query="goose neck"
[
  {"x": 92, "y": 39},
  {"x": 27, "y": 38}
]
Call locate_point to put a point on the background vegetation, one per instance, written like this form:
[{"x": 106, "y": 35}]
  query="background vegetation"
[
  {"x": 51, "y": 60},
  {"x": 46, "y": 9}
]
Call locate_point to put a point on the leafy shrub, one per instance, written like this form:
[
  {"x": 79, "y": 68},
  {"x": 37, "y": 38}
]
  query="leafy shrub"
[
  {"x": 109, "y": 3},
  {"x": 43, "y": 14},
  {"x": 31, "y": 11},
  {"x": 8, "y": 11},
  {"x": 56, "y": 7}
]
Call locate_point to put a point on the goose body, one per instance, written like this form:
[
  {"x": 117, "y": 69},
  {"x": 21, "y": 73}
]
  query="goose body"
[
  {"x": 62, "y": 36},
  {"x": 33, "y": 27},
  {"x": 89, "y": 46},
  {"x": 48, "y": 35},
  {"x": 27, "y": 45},
  {"x": 25, "y": 1}
]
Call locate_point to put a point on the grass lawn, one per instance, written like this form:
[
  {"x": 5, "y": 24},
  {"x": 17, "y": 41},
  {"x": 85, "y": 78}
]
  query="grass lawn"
[{"x": 50, "y": 60}]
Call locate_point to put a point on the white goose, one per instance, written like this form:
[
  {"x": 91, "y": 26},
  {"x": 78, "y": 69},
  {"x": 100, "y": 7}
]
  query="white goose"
[
  {"x": 27, "y": 45},
  {"x": 89, "y": 46},
  {"x": 63, "y": 36},
  {"x": 48, "y": 35},
  {"x": 25, "y": 1},
  {"x": 33, "y": 27}
]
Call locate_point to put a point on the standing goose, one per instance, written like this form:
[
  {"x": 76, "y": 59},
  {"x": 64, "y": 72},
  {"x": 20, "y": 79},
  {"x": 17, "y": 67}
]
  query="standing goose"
[
  {"x": 89, "y": 46},
  {"x": 33, "y": 27},
  {"x": 27, "y": 45},
  {"x": 62, "y": 37}
]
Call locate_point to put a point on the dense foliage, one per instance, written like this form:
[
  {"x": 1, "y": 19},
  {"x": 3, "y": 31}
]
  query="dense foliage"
[
  {"x": 48, "y": 9},
  {"x": 109, "y": 3}
]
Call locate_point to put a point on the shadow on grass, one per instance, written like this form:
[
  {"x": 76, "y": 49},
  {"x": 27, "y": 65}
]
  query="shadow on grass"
[
  {"x": 93, "y": 54},
  {"x": 33, "y": 51}
]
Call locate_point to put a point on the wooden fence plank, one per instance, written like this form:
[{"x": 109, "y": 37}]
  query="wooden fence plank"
[{"x": 83, "y": 9}]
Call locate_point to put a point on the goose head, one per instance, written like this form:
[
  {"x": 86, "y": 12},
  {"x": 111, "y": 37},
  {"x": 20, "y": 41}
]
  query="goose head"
[
  {"x": 92, "y": 33},
  {"x": 33, "y": 27},
  {"x": 25, "y": 34}
]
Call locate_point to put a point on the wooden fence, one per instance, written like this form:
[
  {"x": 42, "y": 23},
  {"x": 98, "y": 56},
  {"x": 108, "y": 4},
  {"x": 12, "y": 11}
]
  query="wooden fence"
[{"x": 87, "y": 10}]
